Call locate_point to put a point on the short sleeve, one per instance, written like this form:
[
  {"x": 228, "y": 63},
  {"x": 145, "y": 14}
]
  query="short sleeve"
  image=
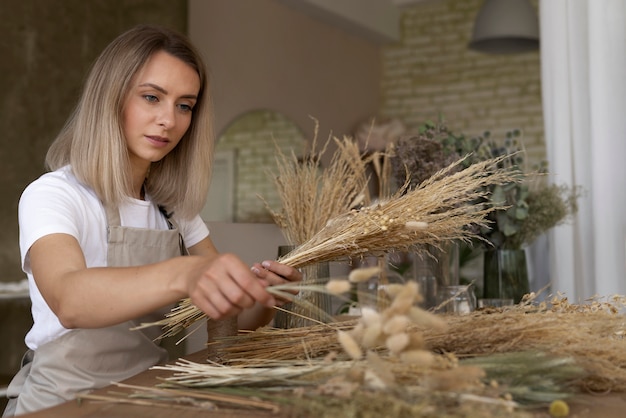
[{"x": 194, "y": 231}]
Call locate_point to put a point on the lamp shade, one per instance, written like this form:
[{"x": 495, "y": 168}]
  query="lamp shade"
[{"x": 505, "y": 27}]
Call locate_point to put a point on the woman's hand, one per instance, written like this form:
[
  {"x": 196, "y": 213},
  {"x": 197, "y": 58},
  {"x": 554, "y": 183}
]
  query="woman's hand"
[
  {"x": 273, "y": 273},
  {"x": 225, "y": 286}
]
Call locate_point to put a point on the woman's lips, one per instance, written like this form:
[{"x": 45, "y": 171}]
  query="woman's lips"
[{"x": 157, "y": 141}]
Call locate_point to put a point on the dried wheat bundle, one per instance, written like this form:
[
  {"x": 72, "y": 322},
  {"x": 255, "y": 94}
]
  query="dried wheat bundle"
[
  {"x": 190, "y": 374},
  {"x": 281, "y": 344},
  {"x": 439, "y": 209},
  {"x": 310, "y": 195},
  {"x": 186, "y": 313},
  {"x": 591, "y": 333}
]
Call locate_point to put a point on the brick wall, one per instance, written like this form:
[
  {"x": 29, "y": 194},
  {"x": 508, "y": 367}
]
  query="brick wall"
[
  {"x": 431, "y": 72},
  {"x": 255, "y": 136}
]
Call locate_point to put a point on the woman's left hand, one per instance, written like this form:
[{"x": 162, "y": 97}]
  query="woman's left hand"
[{"x": 273, "y": 273}]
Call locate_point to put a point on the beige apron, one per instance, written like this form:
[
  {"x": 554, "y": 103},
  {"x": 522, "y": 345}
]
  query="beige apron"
[{"x": 85, "y": 359}]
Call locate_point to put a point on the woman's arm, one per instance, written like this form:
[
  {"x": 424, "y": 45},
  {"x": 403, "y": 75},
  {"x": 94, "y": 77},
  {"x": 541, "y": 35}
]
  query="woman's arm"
[{"x": 220, "y": 285}]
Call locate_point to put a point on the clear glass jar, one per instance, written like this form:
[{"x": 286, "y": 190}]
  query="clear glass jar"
[{"x": 458, "y": 299}]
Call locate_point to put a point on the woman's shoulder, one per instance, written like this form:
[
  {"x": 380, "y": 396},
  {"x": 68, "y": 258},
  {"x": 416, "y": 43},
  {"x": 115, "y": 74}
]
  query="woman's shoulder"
[
  {"x": 58, "y": 180},
  {"x": 60, "y": 184}
]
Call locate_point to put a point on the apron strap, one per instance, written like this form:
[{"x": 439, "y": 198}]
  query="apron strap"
[{"x": 172, "y": 224}]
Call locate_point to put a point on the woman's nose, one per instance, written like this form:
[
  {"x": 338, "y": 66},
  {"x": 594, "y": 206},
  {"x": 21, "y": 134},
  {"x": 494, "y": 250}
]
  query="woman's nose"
[{"x": 166, "y": 117}]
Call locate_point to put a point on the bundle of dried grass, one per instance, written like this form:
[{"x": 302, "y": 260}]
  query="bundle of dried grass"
[
  {"x": 409, "y": 362},
  {"x": 310, "y": 195},
  {"x": 325, "y": 388},
  {"x": 181, "y": 399},
  {"x": 590, "y": 334},
  {"x": 439, "y": 210},
  {"x": 384, "y": 353}
]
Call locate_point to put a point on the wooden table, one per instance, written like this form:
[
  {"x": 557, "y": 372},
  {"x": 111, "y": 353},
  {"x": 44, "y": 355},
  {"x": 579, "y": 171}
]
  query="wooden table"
[
  {"x": 584, "y": 406},
  {"x": 98, "y": 409}
]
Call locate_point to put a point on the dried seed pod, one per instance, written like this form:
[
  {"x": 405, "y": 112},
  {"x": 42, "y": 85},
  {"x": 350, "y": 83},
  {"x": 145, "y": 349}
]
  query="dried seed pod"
[
  {"x": 416, "y": 225},
  {"x": 338, "y": 286},
  {"x": 393, "y": 289},
  {"x": 371, "y": 335},
  {"x": 396, "y": 324},
  {"x": 404, "y": 300},
  {"x": 416, "y": 341},
  {"x": 420, "y": 358},
  {"x": 373, "y": 381},
  {"x": 401, "y": 304},
  {"x": 349, "y": 345},
  {"x": 397, "y": 342},
  {"x": 362, "y": 274},
  {"x": 357, "y": 331},
  {"x": 370, "y": 316},
  {"x": 426, "y": 319}
]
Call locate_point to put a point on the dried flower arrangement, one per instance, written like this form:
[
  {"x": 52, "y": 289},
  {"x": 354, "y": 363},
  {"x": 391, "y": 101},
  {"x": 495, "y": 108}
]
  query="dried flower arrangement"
[
  {"x": 391, "y": 361},
  {"x": 408, "y": 362},
  {"x": 436, "y": 211},
  {"x": 310, "y": 196},
  {"x": 439, "y": 210}
]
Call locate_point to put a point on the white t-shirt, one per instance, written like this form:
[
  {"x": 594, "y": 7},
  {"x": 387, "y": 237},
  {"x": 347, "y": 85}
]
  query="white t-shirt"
[{"x": 58, "y": 203}]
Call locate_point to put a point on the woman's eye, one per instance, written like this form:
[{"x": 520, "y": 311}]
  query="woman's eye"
[
  {"x": 151, "y": 97},
  {"x": 185, "y": 107}
]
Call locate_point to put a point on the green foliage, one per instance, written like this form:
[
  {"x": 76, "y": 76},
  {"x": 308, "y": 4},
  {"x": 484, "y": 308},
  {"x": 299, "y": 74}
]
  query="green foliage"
[{"x": 532, "y": 207}]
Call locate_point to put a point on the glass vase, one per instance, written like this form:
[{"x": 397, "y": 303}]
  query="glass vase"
[
  {"x": 309, "y": 307},
  {"x": 373, "y": 293},
  {"x": 434, "y": 268},
  {"x": 505, "y": 274}
]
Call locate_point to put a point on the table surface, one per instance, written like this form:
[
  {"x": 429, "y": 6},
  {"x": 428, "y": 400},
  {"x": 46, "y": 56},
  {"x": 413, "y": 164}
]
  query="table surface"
[{"x": 584, "y": 406}]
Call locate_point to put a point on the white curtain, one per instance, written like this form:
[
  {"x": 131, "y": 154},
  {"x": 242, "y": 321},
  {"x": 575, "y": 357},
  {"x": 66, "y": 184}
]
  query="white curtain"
[{"x": 583, "y": 64}]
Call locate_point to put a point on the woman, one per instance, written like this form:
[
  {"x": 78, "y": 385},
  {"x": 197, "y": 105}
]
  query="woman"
[{"x": 102, "y": 234}]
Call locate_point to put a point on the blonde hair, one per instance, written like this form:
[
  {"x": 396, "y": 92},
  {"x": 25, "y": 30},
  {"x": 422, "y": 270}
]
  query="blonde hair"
[{"x": 92, "y": 140}]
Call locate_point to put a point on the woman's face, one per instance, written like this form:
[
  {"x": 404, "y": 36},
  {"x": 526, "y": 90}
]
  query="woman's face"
[{"x": 158, "y": 108}]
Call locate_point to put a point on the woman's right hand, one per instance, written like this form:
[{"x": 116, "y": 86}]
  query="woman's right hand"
[{"x": 223, "y": 285}]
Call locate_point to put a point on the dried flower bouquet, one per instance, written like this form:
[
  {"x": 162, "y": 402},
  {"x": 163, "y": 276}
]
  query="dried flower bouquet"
[{"x": 440, "y": 209}]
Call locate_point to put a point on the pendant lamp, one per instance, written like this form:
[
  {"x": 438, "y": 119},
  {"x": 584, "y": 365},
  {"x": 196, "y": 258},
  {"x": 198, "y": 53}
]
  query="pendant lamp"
[{"x": 505, "y": 27}]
